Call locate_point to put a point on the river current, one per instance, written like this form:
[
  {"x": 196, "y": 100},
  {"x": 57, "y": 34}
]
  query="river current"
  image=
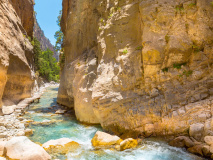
[{"x": 66, "y": 126}]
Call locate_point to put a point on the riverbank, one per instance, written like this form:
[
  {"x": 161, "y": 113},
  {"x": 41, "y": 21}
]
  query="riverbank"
[
  {"x": 12, "y": 122},
  {"x": 41, "y": 120},
  {"x": 49, "y": 126}
]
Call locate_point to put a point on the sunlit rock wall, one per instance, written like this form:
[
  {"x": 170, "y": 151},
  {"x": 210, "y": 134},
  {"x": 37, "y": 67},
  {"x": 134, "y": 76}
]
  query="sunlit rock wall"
[
  {"x": 139, "y": 67},
  {"x": 16, "y": 58}
]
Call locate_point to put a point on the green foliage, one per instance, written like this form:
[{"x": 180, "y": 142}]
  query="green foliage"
[
  {"x": 59, "y": 36},
  {"x": 110, "y": 15},
  {"x": 187, "y": 73},
  {"x": 46, "y": 64},
  {"x": 178, "y": 65},
  {"x": 196, "y": 48},
  {"x": 165, "y": 69},
  {"x": 139, "y": 48},
  {"x": 62, "y": 60},
  {"x": 35, "y": 13},
  {"x": 179, "y": 8},
  {"x": 192, "y": 4},
  {"x": 211, "y": 3},
  {"x": 187, "y": 26},
  {"x": 125, "y": 51},
  {"x": 167, "y": 38}
]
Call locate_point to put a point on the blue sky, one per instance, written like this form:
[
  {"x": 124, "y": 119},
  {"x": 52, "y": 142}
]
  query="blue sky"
[{"x": 47, "y": 13}]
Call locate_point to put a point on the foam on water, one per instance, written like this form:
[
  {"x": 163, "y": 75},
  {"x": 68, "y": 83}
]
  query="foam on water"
[{"x": 66, "y": 126}]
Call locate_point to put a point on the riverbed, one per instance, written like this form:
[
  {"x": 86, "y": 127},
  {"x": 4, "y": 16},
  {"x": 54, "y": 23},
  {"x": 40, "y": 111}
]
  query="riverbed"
[{"x": 47, "y": 125}]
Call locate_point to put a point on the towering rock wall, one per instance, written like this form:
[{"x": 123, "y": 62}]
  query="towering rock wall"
[
  {"x": 45, "y": 43},
  {"x": 25, "y": 11},
  {"x": 16, "y": 58},
  {"x": 139, "y": 67}
]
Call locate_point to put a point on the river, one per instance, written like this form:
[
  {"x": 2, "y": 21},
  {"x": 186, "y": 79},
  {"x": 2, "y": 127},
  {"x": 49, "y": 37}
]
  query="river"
[{"x": 67, "y": 126}]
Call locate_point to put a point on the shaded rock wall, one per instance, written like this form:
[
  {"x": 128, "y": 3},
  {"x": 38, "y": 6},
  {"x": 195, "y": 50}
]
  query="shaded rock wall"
[
  {"x": 25, "y": 11},
  {"x": 139, "y": 66},
  {"x": 16, "y": 58}
]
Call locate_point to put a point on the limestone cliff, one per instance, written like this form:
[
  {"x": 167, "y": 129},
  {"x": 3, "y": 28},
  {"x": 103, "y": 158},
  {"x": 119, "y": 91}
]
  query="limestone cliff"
[
  {"x": 44, "y": 41},
  {"x": 16, "y": 58},
  {"x": 139, "y": 67}
]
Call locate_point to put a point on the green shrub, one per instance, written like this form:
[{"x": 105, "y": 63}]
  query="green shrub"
[
  {"x": 167, "y": 37},
  {"x": 165, "y": 69},
  {"x": 179, "y": 8},
  {"x": 125, "y": 51},
  {"x": 187, "y": 73},
  {"x": 192, "y": 4},
  {"x": 178, "y": 65},
  {"x": 46, "y": 65},
  {"x": 139, "y": 48}
]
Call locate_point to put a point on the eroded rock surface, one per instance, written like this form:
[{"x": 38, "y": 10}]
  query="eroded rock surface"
[
  {"x": 140, "y": 67},
  {"x": 16, "y": 58}
]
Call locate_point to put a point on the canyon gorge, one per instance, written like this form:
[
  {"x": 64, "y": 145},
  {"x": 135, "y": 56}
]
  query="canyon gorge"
[{"x": 138, "y": 68}]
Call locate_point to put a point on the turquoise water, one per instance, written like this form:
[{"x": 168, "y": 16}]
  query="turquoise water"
[{"x": 66, "y": 126}]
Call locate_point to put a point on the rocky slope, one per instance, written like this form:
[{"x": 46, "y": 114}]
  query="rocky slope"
[
  {"x": 45, "y": 43},
  {"x": 139, "y": 67},
  {"x": 16, "y": 58}
]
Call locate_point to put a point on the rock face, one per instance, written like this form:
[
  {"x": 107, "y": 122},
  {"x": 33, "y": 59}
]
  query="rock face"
[
  {"x": 25, "y": 11},
  {"x": 137, "y": 62},
  {"x": 45, "y": 43},
  {"x": 16, "y": 58},
  {"x": 23, "y": 148}
]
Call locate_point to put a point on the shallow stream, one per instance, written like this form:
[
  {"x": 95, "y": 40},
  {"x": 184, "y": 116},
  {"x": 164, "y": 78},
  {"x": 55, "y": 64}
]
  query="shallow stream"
[{"x": 66, "y": 126}]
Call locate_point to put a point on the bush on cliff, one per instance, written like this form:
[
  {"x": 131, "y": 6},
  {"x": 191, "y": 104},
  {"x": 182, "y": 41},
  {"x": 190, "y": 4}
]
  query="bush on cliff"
[{"x": 45, "y": 63}]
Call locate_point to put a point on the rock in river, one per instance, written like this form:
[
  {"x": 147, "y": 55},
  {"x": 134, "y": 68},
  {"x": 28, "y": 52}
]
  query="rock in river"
[
  {"x": 62, "y": 145},
  {"x": 128, "y": 144},
  {"x": 24, "y": 149},
  {"x": 102, "y": 139}
]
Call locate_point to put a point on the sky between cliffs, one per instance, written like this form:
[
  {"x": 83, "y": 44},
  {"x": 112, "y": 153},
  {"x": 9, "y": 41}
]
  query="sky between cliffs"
[{"x": 47, "y": 13}]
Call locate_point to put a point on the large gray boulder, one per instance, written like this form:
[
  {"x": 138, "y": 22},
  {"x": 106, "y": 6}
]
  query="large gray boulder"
[
  {"x": 24, "y": 149},
  {"x": 196, "y": 131}
]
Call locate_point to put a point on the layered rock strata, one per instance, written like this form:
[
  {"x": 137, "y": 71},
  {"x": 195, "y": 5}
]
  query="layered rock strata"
[
  {"x": 139, "y": 67},
  {"x": 16, "y": 58}
]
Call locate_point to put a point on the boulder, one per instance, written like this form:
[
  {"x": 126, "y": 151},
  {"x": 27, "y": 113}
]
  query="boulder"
[
  {"x": 182, "y": 141},
  {"x": 211, "y": 148},
  {"x": 196, "y": 131},
  {"x": 2, "y": 144},
  {"x": 23, "y": 148},
  {"x": 60, "y": 111},
  {"x": 6, "y": 110},
  {"x": 28, "y": 132},
  {"x": 20, "y": 133},
  {"x": 196, "y": 150},
  {"x": 62, "y": 145},
  {"x": 102, "y": 139},
  {"x": 206, "y": 151},
  {"x": 208, "y": 140},
  {"x": 128, "y": 144},
  {"x": 149, "y": 129}
]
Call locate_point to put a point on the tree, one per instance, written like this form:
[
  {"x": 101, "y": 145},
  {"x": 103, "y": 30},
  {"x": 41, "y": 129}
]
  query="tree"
[
  {"x": 59, "y": 36},
  {"x": 45, "y": 63}
]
